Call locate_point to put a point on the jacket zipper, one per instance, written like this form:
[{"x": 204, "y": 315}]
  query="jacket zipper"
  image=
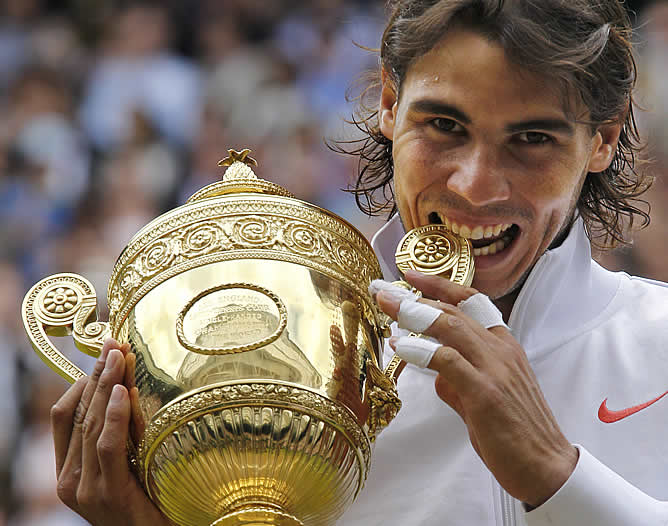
[{"x": 508, "y": 515}]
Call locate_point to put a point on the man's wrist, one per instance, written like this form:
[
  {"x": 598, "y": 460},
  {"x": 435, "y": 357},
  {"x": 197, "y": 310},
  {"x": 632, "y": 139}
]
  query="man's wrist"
[{"x": 557, "y": 474}]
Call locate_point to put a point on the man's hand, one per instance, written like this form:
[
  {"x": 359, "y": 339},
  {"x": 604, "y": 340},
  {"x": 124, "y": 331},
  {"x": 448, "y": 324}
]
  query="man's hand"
[
  {"x": 90, "y": 430},
  {"x": 484, "y": 375}
]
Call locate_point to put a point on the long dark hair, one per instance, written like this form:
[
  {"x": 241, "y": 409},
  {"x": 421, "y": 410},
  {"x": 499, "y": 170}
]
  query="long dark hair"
[{"x": 584, "y": 45}]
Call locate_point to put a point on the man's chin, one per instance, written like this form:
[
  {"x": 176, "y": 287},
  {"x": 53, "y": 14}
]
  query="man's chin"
[{"x": 497, "y": 290}]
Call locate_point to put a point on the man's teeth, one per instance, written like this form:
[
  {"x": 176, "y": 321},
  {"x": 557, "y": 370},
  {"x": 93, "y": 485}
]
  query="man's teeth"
[
  {"x": 493, "y": 248},
  {"x": 477, "y": 232},
  {"x": 481, "y": 232}
]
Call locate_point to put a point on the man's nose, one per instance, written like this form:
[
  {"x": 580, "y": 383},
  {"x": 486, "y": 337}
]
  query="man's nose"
[{"x": 480, "y": 178}]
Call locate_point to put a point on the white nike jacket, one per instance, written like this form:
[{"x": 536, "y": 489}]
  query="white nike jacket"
[{"x": 591, "y": 336}]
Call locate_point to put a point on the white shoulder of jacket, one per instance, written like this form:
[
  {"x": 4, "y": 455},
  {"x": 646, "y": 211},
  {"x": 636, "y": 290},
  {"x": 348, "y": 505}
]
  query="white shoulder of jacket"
[{"x": 594, "y": 495}]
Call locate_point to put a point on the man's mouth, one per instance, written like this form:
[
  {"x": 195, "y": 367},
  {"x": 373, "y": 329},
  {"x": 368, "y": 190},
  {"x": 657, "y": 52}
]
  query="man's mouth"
[{"x": 485, "y": 239}]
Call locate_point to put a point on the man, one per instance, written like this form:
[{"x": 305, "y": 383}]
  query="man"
[{"x": 511, "y": 123}]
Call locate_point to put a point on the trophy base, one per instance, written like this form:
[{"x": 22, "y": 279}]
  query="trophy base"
[
  {"x": 254, "y": 454},
  {"x": 258, "y": 516}
]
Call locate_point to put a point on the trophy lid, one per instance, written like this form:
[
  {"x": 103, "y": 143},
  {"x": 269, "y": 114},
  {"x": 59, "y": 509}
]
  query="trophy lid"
[
  {"x": 240, "y": 217},
  {"x": 239, "y": 177}
]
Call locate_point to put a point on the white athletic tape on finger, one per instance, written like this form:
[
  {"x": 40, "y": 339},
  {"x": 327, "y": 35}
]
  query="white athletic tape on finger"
[
  {"x": 415, "y": 316},
  {"x": 481, "y": 309},
  {"x": 418, "y": 351},
  {"x": 397, "y": 293}
]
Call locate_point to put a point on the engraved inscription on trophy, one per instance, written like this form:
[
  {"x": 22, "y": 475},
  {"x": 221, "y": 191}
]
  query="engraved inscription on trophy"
[{"x": 231, "y": 318}]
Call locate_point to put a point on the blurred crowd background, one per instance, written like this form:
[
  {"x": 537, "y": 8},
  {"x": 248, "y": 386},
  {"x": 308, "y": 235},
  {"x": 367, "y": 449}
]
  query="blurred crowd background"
[{"x": 113, "y": 112}]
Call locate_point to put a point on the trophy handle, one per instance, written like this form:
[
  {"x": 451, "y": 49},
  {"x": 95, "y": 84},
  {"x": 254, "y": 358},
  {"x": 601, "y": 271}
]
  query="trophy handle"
[
  {"x": 384, "y": 401},
  {"x": 59, "y": 305}
]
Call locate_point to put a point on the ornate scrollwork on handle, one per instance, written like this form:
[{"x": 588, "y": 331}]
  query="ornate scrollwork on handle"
[
  {"x": 384, "y": 401},
  {"x": 59, "y": 305}
]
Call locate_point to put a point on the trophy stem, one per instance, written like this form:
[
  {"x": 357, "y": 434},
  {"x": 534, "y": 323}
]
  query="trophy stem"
[{"x": 258, "y": 516}]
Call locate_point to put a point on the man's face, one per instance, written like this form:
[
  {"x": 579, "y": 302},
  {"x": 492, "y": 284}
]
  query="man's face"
[{"x": 488, "y": 149}]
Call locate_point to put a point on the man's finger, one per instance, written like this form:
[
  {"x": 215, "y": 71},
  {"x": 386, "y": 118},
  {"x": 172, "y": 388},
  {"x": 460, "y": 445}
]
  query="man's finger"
[
  {"x": 111, "y": 445},
  {"x": 130, "y": 367},
  {"x": 480, "y": 308},
  {"x": 449, "y": 395},
  {"x": 73, "y": 459},
  {"x": 440, "y": 321},
  {"x": 418, "y": 351},
  {"x": 125, "y": 348},
  {"x": 113, "y": 374},
  {"x": 138, "y": 426},
  {"x": 447, "y": 361},
  {"x": 412, "y": 315},
  {"x": 109, "y": 343},
  {"x": 417, "y": 316},
  {"x": 62, "y": 420},
  {"x": 439, "y": 288}
]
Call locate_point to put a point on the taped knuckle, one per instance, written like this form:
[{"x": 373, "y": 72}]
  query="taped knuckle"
[
  {"x": 448, "y": 320},
  {"x": 449, "y": 308},
  {"x": 468, "y": 292}
]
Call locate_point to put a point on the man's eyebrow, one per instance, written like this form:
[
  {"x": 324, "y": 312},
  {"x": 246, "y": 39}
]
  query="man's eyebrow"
[
  {"x": 553, "y": 125},
  {"x": 439, "y": 108},
  {"x": 442, "y": 108}
]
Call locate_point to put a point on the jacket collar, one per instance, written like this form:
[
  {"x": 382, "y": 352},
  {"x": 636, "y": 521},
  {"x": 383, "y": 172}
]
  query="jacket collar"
[{"x": 565, "y": 293}]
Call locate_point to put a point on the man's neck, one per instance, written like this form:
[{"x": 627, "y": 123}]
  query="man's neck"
[{"x": 505, "y": 303}]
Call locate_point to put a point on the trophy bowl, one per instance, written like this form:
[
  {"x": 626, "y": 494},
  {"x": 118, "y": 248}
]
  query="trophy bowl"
[{"x": 257, "y": 354}]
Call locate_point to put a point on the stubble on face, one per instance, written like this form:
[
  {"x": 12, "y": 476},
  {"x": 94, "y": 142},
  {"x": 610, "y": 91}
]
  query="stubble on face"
[{"x": 545, "y": 186}]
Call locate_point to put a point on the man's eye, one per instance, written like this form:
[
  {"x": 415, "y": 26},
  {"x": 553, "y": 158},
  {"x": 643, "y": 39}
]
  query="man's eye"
[
  {"x": 447, "y": 125},
  {"x": 533, "y": 137}
]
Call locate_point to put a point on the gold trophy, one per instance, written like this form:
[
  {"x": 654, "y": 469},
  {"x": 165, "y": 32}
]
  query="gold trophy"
[{"x": 258, "y": 353}]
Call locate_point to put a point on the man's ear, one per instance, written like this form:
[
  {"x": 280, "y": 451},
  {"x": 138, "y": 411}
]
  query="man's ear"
[
  {"x": 387, "y": 112},
  {"x": 604, "y": 146}
]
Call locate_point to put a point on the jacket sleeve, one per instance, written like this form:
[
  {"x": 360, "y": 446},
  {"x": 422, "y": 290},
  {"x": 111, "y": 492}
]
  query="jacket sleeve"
[{"x": 594, "y": 495}]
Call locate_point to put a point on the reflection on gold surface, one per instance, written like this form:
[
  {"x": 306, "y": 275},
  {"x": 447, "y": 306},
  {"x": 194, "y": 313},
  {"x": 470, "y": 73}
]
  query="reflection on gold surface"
[{"x": 254, "y": 368}]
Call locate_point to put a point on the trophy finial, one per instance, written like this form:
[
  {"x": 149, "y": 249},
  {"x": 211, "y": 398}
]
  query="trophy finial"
[
  {"x": 239, "y": 165},
  {"x": 239, "y": 177},
  {"x": 238, "y": 157}
]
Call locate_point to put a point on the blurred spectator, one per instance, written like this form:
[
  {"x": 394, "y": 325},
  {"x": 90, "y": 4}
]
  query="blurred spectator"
[
  {"x": 648, "y": 254},
  {"x": 136, "y": 72},
  {"x": 16, "y": 17},
  {"x": 46, "y": 136},
  {"x": 253, "y": 94},
  {"x": 209, "y": 148},
  {"x": 35, "y": 484},
  {"x": 46, "y": 164},
  {"x": 323, "y": 40},
  {"x": 57, "y": 46},
  {"x": 11, "y": 388}
]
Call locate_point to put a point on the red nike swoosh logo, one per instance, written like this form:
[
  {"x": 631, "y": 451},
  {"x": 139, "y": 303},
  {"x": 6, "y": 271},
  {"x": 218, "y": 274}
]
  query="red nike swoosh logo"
[{"x": 607, "y": 416}]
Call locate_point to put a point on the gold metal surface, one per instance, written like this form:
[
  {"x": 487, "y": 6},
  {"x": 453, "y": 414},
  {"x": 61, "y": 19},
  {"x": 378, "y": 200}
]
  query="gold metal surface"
[
  {"x": 59, "y": 305},
  {"x": 434, "y": 250},
  {"x": 257, "y": 353},
  {"x": 214, "y": 317}
]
